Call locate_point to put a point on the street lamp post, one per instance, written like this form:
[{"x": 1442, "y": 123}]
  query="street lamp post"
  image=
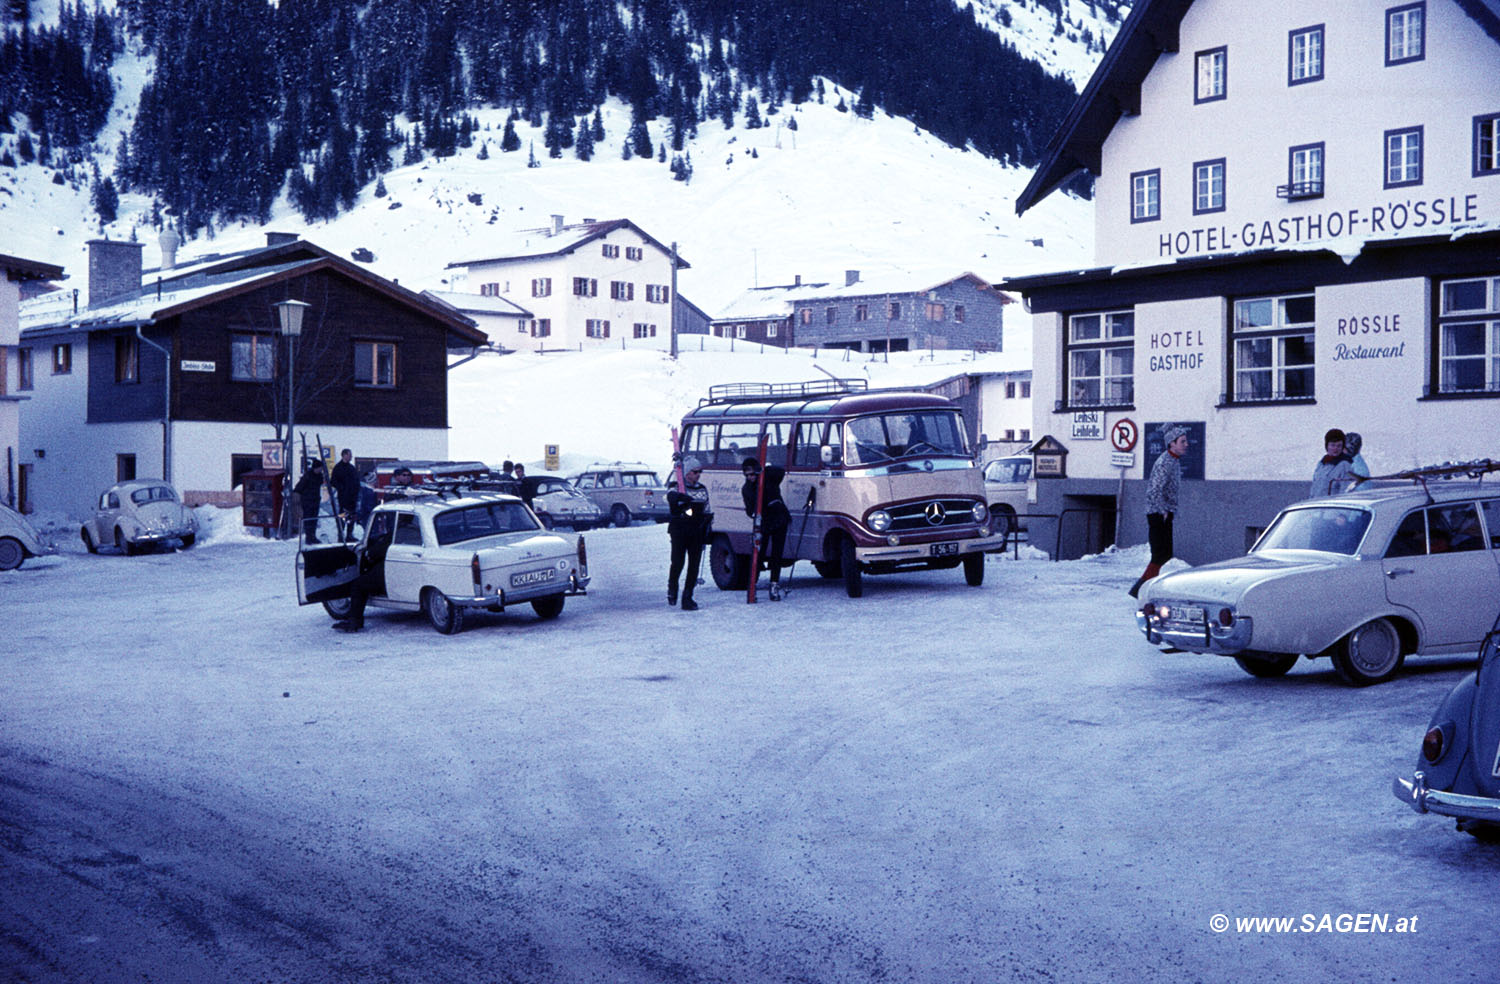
[{"x": 290, "y": 313}]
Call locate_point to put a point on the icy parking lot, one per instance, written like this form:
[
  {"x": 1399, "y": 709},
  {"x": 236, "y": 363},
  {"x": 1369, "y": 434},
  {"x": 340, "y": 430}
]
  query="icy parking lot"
[{"x": 200, "y": 782}]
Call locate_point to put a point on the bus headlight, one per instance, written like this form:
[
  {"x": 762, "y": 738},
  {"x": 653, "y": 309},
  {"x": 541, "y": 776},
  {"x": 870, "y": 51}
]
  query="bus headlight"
[
  {"x": 880, "y": 521},
  {"x": 981, "y": 512}
]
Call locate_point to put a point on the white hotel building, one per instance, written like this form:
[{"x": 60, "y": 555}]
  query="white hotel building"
[{"x": 1297, "y": 228}]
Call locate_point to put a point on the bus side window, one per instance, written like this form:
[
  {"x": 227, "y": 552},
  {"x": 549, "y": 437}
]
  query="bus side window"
[
  {"x": 835, "y": 441},
  {"x": 737, "y": 441},
  {"x": 805, "y": 450},
  {"x": 778, "y": 436},
  {"x": 698, "y": 442}
]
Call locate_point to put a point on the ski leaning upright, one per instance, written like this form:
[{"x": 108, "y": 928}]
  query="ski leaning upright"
[{"x": 755, "y": 524}]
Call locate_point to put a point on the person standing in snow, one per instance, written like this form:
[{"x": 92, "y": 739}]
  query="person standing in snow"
[
  {"x": 371, "y": 579},
  {"x": 1333, "y": 473},
  {"x": 688, "y": 529},
  {"x": 776, "y": 518},
  {"x": 309, "y": 489},
  {"x": 1161, "y": 502},
  {"x": 345, "y": 482}
]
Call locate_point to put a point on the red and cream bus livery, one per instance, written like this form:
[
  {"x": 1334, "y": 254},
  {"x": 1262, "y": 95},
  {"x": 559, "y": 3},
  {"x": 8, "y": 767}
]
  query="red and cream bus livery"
[{"x": 876, "y": 480}]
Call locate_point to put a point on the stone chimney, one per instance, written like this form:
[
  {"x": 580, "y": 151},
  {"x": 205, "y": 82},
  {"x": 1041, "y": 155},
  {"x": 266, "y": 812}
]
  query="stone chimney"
[
  {"x": 557, "y": 225},
  {"x": 851, "y": 277},
  {"x": 798, "y": 281},
  {"x": 281, "y": 238},
  {"x": 114, "y": 269},
  {"x": 169, "y": 242}
]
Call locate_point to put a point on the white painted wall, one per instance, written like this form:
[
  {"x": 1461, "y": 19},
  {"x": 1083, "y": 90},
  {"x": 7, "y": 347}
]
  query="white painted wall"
[
  {"x": 10, "y": 406},
  {"x": 1358, "y": 99}
]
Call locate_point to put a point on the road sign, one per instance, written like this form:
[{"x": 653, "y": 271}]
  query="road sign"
[
  {"x": 1124, "y": 434},
  {"x": 551, "y": 460},
  {"x": 1122, "y": 459}
]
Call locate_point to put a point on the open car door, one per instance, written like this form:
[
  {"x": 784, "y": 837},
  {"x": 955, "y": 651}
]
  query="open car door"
[{"x": 325, "y": 573}]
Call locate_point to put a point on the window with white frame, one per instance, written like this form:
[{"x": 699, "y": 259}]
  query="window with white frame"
[
  {"x": 1208, "y": 186},
  {"x": 611, "y": 252},
  {"x": 541, "y": 327},
  {"x": 658, "y": 293},
  {"x": 1405, "y": 33},
  {"x": 1487, "y": 144},
  {"x": 585, "y": 287},
  {"x": 375, "y": 364},
  {"x": 1305, "y": 171},
  {"x": 1271, "y": 349},
  {"x": 62, "y": 359},
  {"x": 252, "y": 357},
  {"x": 644, "y": 330},
  {"x": 633, "y": 253},
  {"x": 1211, "y": 78},
  {"x": 1469, "y": 336},
  {"x": 805, "y": 315},
  {"x": 1145, "y": 195},
  {"x": 489, "y": 290},
  {"x": 620, "y": 290},
  {"x": 596, "y": 328},
  {"x": 772, "y": 331},
  {"x": 1305, "y": 55},
  {"x": 739, "y": 330},
  {"x": 541, "y": 287},
  {"x": 1403, "y": 157},
  {"x": 1100, "y": 359}
]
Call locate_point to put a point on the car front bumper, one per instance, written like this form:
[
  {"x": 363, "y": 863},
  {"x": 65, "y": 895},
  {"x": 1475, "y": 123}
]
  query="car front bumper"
[
  {"x": 1415, "y": 794},
  {"x": 922, "y": 552},
  {"x": 1211, "y": 637}
]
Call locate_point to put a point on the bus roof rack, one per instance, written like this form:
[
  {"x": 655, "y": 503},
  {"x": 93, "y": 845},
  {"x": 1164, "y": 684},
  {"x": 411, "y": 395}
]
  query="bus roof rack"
[{"x": 729, "y": 392}]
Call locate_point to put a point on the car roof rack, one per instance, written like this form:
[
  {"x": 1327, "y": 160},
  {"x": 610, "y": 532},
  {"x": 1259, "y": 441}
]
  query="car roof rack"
[
  {"x": 1476, "y": 469},
  {"x": 445, "y": 490},
  {"x": 733, "y": 392}
]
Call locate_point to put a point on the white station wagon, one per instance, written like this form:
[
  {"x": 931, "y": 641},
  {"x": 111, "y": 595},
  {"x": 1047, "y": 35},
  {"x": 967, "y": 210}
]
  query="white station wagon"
[
  {"x": 446, "y": 556},
  {"x": 1365, "y": 578}
]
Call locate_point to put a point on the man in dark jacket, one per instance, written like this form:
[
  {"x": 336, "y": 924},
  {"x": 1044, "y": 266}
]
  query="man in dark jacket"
[
  {"x": 688, "y": 529},
  {"x": 345, "y": 482},
  {"x": 371, "y": 579},
  {"x": 309, "y": 489},
  {"x": 775, "y": 517}
]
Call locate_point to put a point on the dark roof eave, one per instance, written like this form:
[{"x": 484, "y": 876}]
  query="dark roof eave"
[{"x": 20, "y": 268}]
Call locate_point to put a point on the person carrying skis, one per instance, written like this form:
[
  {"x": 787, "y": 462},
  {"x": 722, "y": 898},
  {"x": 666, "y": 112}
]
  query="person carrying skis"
[
  {"x": 309, "y": 489},
  {"x": 775, "y": 517},
  {"x": 689, "y": 531}
]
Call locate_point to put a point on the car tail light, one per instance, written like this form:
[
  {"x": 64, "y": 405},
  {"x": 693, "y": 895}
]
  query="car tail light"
[
  {"x": 1226, "y": 617},
  {"x": 1432, "y": 744},
  {"x": 474, "y": 570},
  {"x": 583, "y": 557}
]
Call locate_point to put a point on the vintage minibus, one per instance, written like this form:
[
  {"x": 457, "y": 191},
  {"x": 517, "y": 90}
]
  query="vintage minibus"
[{"x": 876, "y": 480}]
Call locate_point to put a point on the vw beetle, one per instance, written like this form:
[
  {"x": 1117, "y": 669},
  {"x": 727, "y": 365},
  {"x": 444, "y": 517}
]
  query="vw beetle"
[
  {"x": 137, "y": 515},
  {"x": 18, "y": 539},
  {"x": 1458, "y": 768}
]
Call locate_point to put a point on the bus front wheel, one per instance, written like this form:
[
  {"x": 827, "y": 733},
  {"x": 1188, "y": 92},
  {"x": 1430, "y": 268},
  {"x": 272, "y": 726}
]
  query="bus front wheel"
[{"x": 731, "y": 571}]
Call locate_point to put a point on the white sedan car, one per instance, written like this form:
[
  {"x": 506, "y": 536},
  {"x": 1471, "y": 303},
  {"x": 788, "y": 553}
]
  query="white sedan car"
[
  {"x": 138, "y": 515},
  {"x": 445, "y": 556},
  {"x": 1365, "y": 578}
]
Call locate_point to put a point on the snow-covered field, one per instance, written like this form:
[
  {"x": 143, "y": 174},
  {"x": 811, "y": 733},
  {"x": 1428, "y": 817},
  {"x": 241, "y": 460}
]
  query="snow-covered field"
[{"x": 936, "y": 783}]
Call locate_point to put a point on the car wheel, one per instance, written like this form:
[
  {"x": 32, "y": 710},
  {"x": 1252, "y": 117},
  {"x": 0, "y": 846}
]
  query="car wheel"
[
  {"x": 11, "y": 553},
  {"x": 123, "y": 545},
  {"x": 974, "y": 569},
  {"x": 549, "y": 607},
  {"x": 619, "y": 515},
  {"x": 854, "y": 582},
  {"x": 730, "y": 570},
  {"x": 1370, "y": 654},
  {"x": 827, "y": 568},
  {"x": 338, "y": 608},
  {"x": 1005, "y": 519},
  {"x": 1267, "y": 665},
  {"x": 445, "y": 616},
  {"x": 88, "y": 541}
]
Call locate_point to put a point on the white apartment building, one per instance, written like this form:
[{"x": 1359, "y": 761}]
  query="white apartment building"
[
  {"x": 595, "y": 284},
  {"x": 18, "y": 369},
  {"x": 1297, "y": 228}
]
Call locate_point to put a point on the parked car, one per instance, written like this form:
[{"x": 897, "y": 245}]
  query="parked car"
[
  {"x": 1458, "y": 767},
  {"x": 1365, "y": 578},
  {"x": 557, "y": 503},
  {"x": 447, "y": 556},
  {"x": 624, "y": 491},
  {"x": 18, "y": 539},
  {"x": 1005, "y": 481},
  {"x": 138, "y": 515}
]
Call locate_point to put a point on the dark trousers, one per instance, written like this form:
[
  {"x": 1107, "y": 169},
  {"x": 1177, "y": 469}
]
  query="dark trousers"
[
  {"x": 687, "y": 548},
  {"x": 310, "y": 523},
  {"x": 773, "y": 545},
  {"x": 1159, "y": 535}
]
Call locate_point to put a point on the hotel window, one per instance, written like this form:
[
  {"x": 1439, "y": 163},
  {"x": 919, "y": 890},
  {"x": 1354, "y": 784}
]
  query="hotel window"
[
  {"x": 541, "y": 287},
  {"x": 658, "y": 293},
  {"x": 541, "y": 327},
  {"x": 861, "y": 312},
  {"x": 375, "y": 364},
  {"x": 1271, "y": 349},
  {"x": 831, "y": 314},
  {"x": 252, "y": 358},
  {"x": 489, "y": 290},
  {"x": 1469, "y": 336},
  {"x": 1208, "y": 186},
  {"x": 611, "y": 252},
  {"x": 127, "y": 359},
  {"x": 1304, "y": 172},
  {"x": 1010, "y": 390},
  {"x": 958, "y": 312},
  {"x": 1405, "y": 33},
  {"x": 1403, "y": 157},
  {"x": 1100, "y": 359},
  {"x": 596, "y": 328},
  {"x": 1305, "y": 55},
  {"x": 585, "y": 287},
  {"x": 521, "y": 326},
  {"x": 1213, "y": 67},
  {"x": 619, "y": 290},
  {"x": 1487, "y": 144},
  {"x": 937, "y": 311},
  {"x": 23, "y": 369},
  {"x": 1145, "y": 196},
  {"x": 62, "y": 359},
  {"x": 644, "y": 330},
  {"x": 633, "y": 253}
]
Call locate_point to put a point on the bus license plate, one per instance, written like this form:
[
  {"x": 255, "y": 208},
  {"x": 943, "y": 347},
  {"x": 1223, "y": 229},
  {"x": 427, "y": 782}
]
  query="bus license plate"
[{"x": 944, "y": 549}]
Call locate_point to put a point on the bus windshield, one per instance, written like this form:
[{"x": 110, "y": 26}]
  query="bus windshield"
[{"x": 884, "y": 437}]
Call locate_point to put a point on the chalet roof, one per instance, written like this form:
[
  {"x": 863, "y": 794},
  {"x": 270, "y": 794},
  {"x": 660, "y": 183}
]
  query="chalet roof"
[
  {"x": 19, "y": 268},
  {"x": 532, "y": 244},
  {"x": 168, "y": 293},
  {"x": 1115, "y": 89},
  {"x": 470, "y": 303}
]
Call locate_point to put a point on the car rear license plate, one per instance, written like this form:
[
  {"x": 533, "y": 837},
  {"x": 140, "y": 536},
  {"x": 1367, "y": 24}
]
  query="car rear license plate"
[
  {"x": 944, "y": 549},
  {"x": 532, "y": 577},
  {"x": 1187, "y": 615}
]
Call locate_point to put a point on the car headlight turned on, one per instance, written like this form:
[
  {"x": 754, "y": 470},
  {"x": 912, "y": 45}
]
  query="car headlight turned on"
[
  {"x": 980, "y": 512},
  {"x": 880, "y": 521}
]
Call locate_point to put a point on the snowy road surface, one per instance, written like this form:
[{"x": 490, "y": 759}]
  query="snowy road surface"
[{"x": 200, "y": 782}]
